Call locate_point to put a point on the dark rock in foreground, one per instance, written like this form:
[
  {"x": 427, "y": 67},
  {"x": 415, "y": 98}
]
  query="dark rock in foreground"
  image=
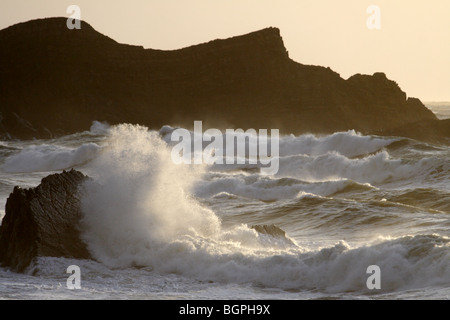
[{"x": 43, "y": 221}]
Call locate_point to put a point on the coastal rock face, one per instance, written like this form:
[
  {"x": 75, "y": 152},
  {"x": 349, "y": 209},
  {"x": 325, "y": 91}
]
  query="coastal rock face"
[
  {"x": 42, "y": 221},
  {"x": 271, "y": 230},
  {"x": 435, "y": 131},
  {"x": 55, "y": 81}
]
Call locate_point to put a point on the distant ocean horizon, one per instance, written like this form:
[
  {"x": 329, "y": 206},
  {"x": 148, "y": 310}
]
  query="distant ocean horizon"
[{"x": 440, "y": 108}]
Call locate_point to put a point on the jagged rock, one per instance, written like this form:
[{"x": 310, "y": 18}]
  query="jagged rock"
[
  {"x": 271, "y": 230},
  {"x": 57, "y": 81},
  {"x": 43, "y": 221}
]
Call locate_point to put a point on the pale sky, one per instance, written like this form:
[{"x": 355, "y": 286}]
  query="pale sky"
[{"x": 412, "y": 47}]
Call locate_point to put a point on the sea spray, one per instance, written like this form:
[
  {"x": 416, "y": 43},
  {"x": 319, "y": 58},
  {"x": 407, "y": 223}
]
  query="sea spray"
[
  {"x": 139, "y": 211},
  {"x": 205, "y": 258},
  {"x": 138, "y": 199},
  {"x": 374, "y": 169},
  {"x": 44, "y": 157},
  {"x": 349, "y": 143}
]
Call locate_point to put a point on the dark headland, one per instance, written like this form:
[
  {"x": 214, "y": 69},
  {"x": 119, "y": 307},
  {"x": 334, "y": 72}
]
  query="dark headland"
[{"x": 56, "y": 81}]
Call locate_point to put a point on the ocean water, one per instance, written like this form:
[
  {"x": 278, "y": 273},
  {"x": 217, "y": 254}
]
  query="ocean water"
[
  {"x": 160, "y": 230},
  {"x": 440, "y": 109}
]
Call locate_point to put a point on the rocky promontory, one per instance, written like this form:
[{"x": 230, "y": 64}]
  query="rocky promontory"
[
  {"x": 56, "y": 81},
  {"x": 43, "y": 221}
]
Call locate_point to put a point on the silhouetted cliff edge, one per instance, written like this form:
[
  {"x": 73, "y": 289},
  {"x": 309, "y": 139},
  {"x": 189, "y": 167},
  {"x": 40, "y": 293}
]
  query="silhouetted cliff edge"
[{"x": 56, "y": 81}]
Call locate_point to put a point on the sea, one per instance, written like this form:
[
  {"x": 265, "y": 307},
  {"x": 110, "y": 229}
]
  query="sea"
[{"x": 365, "y": 217}]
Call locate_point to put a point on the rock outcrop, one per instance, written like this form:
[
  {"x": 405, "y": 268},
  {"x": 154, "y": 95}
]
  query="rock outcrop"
[
  {"x": 43, "y": 221},
  {"x": 273, "y": 231},
  {"x": 434, "y": 131},
  {"x": 269, "y": 229},
  {"x": 56, "y": 81}
]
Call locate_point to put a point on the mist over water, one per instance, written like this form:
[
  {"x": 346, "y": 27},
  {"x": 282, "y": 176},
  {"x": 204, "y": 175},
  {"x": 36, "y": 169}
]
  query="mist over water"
[
  {"x": 440, "y": 109},
  {"x": 345, "y": 200}
]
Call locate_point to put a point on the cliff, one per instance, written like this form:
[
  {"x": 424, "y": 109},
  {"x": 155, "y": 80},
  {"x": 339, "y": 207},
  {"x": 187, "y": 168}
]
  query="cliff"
[
  {"x": 56, "y": 81},
  {"x": 42, "y": 221}
]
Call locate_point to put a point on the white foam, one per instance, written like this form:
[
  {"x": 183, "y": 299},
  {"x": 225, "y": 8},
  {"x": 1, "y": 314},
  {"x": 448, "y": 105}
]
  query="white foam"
[
  {"x": 315, "y": 158},
  {"x": 44, "y": 157},
  {"x": 376, "y": 168},
  {"x": 348, "y": 143},
  {"x": 99, "y": 128},
  {"x": 141, "y": 202},
  {"x": 139, "y": 198},
  {"x": 267, "y": 188},
  {"x": 140, "y": 212},
  {"x": 338, "y": 268}
]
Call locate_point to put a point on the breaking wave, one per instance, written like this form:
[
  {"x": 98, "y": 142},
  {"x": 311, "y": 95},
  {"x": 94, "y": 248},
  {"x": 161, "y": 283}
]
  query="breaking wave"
[
  {"x": 142, "y": 210},
  {"x": 39, "y": 158}
]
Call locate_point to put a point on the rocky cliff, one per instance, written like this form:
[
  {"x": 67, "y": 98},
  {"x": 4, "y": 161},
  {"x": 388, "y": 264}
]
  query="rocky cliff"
[
  {"x": 42, "y": 221},
  {"x": 55, "y": 81}
]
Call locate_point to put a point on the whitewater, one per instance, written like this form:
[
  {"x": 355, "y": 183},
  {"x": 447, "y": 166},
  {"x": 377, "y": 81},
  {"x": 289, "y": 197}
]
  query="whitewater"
[{"x": 160, "y": 230}]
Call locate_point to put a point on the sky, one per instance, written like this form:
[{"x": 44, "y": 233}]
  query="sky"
[{"x": 411, "y": 45}]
